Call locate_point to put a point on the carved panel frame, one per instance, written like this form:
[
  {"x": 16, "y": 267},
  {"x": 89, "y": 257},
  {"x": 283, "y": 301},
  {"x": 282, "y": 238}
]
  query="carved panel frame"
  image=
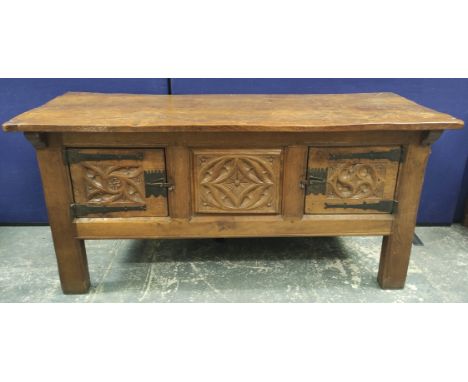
[
  {"x": 237, "y": 181},
  {"x": 352, "y": 181},
  {"x": 118, "y": 183}
]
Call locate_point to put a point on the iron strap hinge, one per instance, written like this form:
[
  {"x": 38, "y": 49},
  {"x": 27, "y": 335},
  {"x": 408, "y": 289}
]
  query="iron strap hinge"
[
  {"x": 72, "y": 156},
  {"x": 79, "y": 210},
  {"x": 388, "y": 206},
  {"x": 394, "y": 155}
]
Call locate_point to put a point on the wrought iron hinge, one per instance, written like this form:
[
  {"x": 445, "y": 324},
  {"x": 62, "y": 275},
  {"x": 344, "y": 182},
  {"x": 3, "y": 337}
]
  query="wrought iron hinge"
[
  {"x": 316, "y": 182},
  {"x": 78, "y": 210},
  {"x": 388, "y": 206},
  {"x": 75, "y": 156},
  {"x": 156, "y": 184},
  {"x": 394, "y": 155}
]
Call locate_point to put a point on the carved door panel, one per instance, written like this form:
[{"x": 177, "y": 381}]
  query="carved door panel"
[
  {"x": 231, "y": 181},
  {"x": 118, "y": 182},
  {"x": 352, "y": 180}
]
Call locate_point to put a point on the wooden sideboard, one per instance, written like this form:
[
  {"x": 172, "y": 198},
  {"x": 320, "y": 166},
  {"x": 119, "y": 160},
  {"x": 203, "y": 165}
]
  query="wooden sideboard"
[{"x": 154, "y": 166}]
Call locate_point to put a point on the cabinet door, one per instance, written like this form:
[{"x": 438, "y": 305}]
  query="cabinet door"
[
  {"x": 118, "y": 182},
  {"x": 352, "y": 180},
  {"x": 230, "y": 181}
]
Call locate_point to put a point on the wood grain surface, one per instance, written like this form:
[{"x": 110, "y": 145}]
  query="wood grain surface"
[
  {"x": 233, "y": 226},
  {"x": 86, "y": 112}
]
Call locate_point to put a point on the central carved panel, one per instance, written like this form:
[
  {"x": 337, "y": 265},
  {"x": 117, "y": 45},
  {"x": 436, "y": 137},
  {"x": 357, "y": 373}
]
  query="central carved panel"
[{"x": 237, "y": 181}]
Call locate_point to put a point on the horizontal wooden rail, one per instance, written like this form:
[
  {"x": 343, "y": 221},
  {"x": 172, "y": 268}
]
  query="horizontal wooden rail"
[
  {"x": 236, "y": 139},
  {"x": 233, "y": 226}
]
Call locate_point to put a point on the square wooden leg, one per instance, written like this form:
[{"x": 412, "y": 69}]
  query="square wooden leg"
[
  {"x": 70, "y": 252},
  {"x": 396, "y": 248},
  {"x": 394, "y": 261},
  {"x": 72, "y": 264}
]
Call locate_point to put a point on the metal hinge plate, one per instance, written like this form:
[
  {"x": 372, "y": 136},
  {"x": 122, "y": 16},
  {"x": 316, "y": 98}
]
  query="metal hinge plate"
[
  {"x": 75, "y": 156},
  {"x": 388, "y": 206},
  {"x": 79, "y": 210},
  {"x": 394, "y": 155}
]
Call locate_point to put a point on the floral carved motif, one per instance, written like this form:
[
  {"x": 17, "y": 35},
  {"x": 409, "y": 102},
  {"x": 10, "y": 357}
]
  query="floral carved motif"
[
  {"x": 356, "y": 181},
  {"x": 109, "y": 184},
  {"x": 237, "y": 183}
]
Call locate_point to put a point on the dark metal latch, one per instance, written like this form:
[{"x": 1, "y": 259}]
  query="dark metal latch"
[
  {"x": 156, "y": 184},
  {"x": 316, "y": 182}
]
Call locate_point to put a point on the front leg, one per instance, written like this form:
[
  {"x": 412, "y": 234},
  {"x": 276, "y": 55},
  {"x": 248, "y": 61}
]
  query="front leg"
[
  {"x": 70, "y": 252},
  {"x": 396, "y": 248}
]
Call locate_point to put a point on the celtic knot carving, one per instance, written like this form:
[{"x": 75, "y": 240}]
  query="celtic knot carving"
[
  {"x": 237, "y": 183},
  {"x": 356, "y": 181},
  {"x": 107, "y": 184}
]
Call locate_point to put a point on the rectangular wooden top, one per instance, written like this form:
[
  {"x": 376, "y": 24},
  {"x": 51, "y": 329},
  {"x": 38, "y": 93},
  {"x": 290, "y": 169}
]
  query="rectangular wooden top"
[{"x": 96, "y": 112}]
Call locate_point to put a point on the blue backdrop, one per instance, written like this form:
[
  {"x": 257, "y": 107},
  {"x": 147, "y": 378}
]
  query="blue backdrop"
[{"x": 445, "y": 187}]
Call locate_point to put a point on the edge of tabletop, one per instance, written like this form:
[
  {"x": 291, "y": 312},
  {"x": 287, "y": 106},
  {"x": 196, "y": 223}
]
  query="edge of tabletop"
[
  {"x": 443, "y": 122},
  {"x": 11, "y": 126}
]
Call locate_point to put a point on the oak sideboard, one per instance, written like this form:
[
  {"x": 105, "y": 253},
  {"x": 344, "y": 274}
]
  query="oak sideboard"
[{"x": 163, "y": 166}]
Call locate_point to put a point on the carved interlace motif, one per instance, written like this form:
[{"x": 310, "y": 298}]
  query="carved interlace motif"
[
  {"x": 108, "y": 184},
  {"x": 356, "y": 180},
  {"x": 237, "y": 182}
]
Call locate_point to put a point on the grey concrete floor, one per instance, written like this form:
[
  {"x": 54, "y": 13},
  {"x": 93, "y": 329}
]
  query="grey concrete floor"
[{"x": 335, "y": 269}]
